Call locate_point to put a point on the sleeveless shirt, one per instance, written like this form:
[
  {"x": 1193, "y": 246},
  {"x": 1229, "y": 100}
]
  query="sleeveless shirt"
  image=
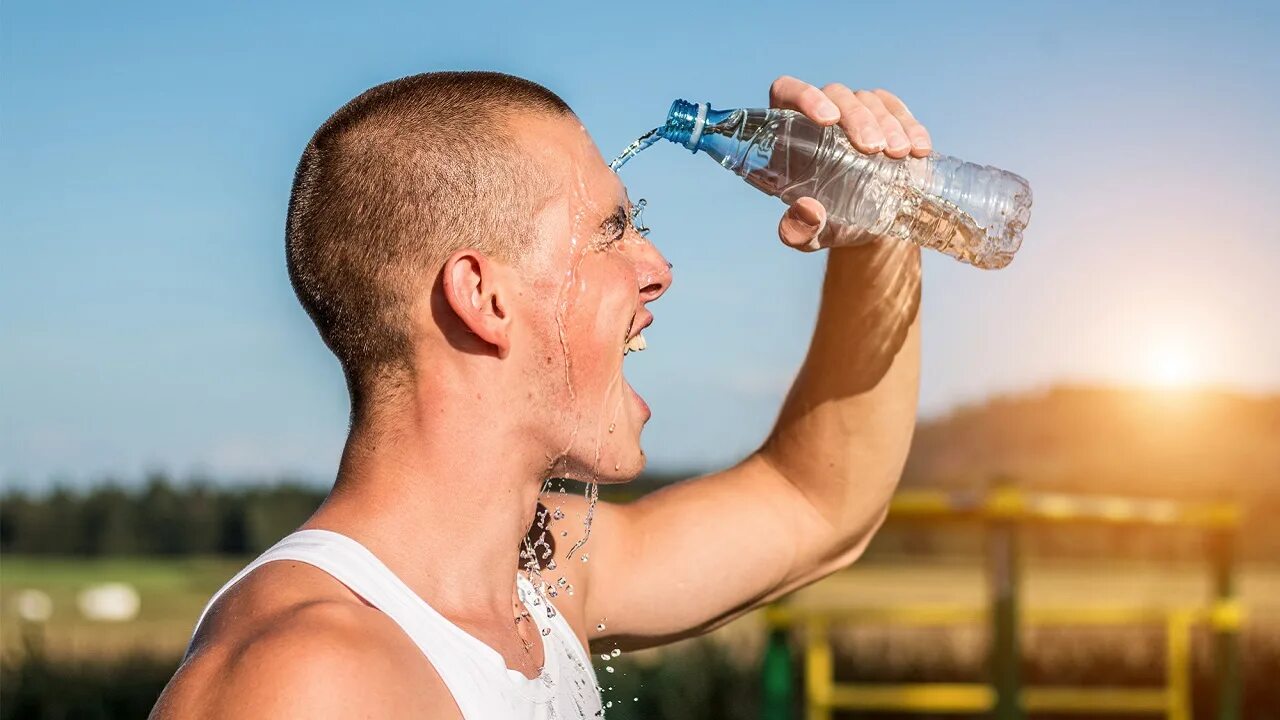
[{"x": 476, "y": 674}]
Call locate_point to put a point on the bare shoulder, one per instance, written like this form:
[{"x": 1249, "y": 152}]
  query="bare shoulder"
[{"x": 290, "y": 641}]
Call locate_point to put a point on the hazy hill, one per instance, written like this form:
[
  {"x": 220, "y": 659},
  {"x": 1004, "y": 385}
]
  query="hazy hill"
[
  {"x": 1190, "y": 444},
  {"x": 1177, "y": 444}
]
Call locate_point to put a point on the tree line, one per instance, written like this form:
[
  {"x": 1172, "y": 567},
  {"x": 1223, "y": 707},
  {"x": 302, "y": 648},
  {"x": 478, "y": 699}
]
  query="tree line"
[
  {"x": 158, "y": 517},
  {"x": 161, "y": 516}
]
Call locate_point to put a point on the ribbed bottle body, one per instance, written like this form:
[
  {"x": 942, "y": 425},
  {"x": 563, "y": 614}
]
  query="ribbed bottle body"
[{"x": 972, "y": 212}]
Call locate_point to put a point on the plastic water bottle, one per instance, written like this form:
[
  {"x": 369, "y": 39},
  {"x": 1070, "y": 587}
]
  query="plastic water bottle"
[{"x": 972, "y": 212}]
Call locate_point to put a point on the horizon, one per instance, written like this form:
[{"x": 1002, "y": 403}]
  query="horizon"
[
  {"x": 196, "y": 475},
  {"x": 147, "y": 154}
]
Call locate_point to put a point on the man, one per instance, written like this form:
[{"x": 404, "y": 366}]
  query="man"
[{"x": 469, "y": 257}]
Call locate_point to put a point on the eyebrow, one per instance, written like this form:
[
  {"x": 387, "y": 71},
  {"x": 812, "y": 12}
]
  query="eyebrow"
[{"x": 615, "y": 223}]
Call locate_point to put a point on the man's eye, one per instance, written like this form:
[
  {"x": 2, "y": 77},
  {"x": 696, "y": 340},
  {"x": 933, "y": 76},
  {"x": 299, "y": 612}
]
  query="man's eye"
[{"x": 637, "y": 217}]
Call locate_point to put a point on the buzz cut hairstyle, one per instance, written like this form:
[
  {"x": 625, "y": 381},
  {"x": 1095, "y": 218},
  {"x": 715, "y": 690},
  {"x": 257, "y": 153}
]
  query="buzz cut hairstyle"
[{"x": 395, "y": 181}]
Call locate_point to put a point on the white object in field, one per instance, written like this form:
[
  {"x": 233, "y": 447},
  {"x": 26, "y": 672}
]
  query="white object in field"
[
  {"x": 109, "y": 602},
  {"x": 33, "y": 605}
]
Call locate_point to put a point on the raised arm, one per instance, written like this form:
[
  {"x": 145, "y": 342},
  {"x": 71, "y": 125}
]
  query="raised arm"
[{"x": 690, "y": 557}]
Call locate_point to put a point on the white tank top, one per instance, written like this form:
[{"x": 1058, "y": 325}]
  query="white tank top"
[{"x": 476, "y": 674}]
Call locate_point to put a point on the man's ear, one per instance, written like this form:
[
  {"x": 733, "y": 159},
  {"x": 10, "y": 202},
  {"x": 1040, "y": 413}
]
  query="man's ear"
[{"x": 474, "y": 288}]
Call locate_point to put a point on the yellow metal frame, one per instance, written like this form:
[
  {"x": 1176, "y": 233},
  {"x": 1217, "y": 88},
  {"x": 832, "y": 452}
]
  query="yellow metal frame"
[
  {"x": 1015, "y": 504},
  {"x": 823, "y": 694}
]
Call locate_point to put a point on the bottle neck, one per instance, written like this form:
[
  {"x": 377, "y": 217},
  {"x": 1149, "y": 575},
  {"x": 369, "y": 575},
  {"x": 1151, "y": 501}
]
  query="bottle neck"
[{"x": 687, "y": 123}]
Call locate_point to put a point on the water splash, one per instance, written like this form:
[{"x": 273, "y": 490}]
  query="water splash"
[{"x": 636, "y": 148}]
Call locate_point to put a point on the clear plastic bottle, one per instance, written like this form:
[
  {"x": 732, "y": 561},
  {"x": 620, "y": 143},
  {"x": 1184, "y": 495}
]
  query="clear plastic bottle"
[{"x": 972, "y": 212}]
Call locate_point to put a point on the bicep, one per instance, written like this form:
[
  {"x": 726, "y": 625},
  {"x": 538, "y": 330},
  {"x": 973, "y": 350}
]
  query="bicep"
[{"x": 695, "y": 555}]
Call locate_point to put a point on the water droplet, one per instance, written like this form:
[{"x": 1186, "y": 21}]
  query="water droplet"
[
  {"x": 609, "y": 704},
  {"x": 616, "y": 652},
  {"x": 608, "y": 668},
  {"x": 600, "y": 627},
  {"x": 612, "y": 426},
  {"x": 569, "y": 589},
  {"x": 558, "y": 514},
  {"x": 546, "y": 631},
  {"x": 616, "y": 466},
  {"x": 551, "y": 564},
  {"x": 604, "y": 656},
  {"x": 584, "y": 557}
]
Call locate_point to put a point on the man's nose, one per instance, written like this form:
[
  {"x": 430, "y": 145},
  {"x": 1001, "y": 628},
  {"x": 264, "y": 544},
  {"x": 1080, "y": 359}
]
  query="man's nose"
[{"x": 653, "y": 271}]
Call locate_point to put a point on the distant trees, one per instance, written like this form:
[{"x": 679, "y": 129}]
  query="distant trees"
[
  {"x": 163, "y": 517},
  {"x": 158, "y": 517}
]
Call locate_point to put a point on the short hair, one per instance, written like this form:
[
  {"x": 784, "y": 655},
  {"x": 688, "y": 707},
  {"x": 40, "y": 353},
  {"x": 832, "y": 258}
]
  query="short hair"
[{"x": 396, "y": 180}]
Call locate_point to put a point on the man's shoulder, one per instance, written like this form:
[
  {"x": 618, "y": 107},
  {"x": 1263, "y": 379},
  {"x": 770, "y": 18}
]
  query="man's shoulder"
[{"x": 291, "y": 641}]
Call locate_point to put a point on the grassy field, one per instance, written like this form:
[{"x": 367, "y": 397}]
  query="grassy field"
[
  {"x": 116, "y": 669},
  {"x": 173, "y": 591}
]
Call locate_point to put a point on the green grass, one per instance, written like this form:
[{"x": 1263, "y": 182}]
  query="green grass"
[{"x": 172, "y": 591}]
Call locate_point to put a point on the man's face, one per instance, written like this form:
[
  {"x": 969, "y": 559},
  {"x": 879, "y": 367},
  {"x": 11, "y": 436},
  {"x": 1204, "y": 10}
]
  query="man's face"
[{"x": 589, "y": 302}]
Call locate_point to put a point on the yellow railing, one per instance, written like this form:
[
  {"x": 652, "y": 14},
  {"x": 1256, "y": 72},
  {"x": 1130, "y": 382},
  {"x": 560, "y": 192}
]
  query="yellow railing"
[
  {"x": 823, "y": 694},
  {"x": 1003, "y": 511}
]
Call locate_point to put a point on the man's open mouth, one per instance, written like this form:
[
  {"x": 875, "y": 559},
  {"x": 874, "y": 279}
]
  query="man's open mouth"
[{"x": 635, "y": 344}]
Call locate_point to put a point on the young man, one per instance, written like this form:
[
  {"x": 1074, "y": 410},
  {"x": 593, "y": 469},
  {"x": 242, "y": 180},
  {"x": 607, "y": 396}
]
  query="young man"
[{"x": 468, "y": 255}]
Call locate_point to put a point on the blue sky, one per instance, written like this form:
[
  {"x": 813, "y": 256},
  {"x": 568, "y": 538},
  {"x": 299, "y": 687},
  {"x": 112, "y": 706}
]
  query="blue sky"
[{"x": 146, "y": 151}]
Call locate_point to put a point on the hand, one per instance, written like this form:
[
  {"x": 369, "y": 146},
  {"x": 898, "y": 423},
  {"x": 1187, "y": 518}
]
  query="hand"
[{"x": 874, "y": 120}]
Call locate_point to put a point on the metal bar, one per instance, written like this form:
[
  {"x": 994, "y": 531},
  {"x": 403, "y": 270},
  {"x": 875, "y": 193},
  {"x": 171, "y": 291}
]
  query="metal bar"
[
  {"x": 1059, "y": 507},
  {"x": 1178, "y": 665},
  {"x": 914, "y": 697},
  {"x": 1226, "y": 639},
  {"x": 776, "y": 677},
  {"x": 1002, "y": 538},
  {"x": 818, "y": 669}
]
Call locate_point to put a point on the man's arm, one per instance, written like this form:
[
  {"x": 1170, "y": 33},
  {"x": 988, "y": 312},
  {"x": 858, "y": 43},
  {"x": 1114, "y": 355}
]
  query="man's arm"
[{"x": 693, "y": 556}]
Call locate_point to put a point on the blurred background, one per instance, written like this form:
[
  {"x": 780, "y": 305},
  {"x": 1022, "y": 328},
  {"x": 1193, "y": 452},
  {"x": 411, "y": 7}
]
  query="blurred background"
[{"x": 167, "y": 411}]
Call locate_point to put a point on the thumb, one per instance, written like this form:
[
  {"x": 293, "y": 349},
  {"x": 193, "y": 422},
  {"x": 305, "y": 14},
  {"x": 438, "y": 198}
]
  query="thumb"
[{"x": 802, "y": 224}]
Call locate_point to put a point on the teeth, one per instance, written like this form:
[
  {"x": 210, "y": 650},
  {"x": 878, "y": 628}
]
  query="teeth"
[{"x": 635, "y": 344}]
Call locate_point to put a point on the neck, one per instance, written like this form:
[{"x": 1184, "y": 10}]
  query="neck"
[{"x": 443, "y": 498}]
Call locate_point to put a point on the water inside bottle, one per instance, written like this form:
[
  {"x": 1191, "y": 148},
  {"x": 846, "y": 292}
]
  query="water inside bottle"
[{"x": 938, "y": 224}]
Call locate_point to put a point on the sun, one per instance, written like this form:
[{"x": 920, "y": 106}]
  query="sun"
[{"x": 1170, "y": 364}]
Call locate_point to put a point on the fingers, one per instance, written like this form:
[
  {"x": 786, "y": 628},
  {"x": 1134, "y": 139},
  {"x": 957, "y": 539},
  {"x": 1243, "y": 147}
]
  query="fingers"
[
  {"x": 921, "y": 144},
  {"x": 897, "y": 144},
  {"x": 792, "y": 94},
  {"x": 856, "y": 119},
  {"x": 874, "y": 120},
  {"x": 802, "y": 225}
]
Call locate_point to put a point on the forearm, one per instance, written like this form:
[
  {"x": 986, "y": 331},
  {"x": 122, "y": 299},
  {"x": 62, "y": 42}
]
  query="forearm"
[{"x": 844, "y": 431}]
